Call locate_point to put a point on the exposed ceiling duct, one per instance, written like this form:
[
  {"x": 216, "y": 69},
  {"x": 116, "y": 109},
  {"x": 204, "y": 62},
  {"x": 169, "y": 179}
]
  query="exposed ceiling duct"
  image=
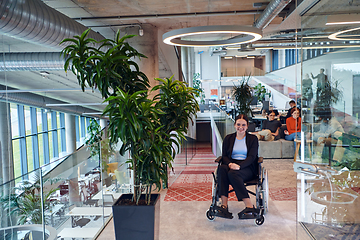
[
  {"x": 270, "y": 12},
  {"x": 40, "y": 61},
  {"x": 35, "y": 22}
]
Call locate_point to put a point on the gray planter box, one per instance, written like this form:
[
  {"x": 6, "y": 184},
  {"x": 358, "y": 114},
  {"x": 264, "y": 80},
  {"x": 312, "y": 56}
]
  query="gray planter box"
[{"x": 137, "y": 222}]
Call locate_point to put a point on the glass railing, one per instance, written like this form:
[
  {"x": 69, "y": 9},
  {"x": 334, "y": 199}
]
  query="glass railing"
[
  {"x": 71, "y": 196},
  {"x": 182, "y": 159}
]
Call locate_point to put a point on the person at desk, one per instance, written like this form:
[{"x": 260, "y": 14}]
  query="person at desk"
[
  {"x": 293, "y": 125},
  {"x": 239, "y": 156},
  {"x": 270, "y": 128},
  {"x": 292, "y": 104}
]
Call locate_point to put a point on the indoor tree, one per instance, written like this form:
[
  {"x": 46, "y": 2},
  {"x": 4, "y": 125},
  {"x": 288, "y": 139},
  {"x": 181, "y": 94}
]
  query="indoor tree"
[
  {"x": 148, "y": 128},
  {"x": 243, "y": 97}
]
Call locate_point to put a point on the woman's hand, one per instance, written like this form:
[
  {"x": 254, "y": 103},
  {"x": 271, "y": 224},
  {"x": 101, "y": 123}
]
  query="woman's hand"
[
  {"x": 234, "y": 166},
  {"x": 286, "y": 132}
]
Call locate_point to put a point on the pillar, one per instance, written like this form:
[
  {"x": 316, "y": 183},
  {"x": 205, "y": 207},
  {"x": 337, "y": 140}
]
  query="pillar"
[
  {"x": 70, "y": 133},
  {"x": 103, "y": 125},
  {"x": 6, "y": 156}
]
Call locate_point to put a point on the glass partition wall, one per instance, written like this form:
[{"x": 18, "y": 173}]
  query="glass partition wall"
[
  {"x": 328, "y": 194},
  {"x": 71, "y": 196}
]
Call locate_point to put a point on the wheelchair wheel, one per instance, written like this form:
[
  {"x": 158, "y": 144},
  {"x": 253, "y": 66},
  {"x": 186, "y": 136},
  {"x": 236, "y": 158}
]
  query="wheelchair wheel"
[
  {"x": 210, "y": 215},
  {"x": 265, "y": 192},
  {"x": 259, "y": 221}
]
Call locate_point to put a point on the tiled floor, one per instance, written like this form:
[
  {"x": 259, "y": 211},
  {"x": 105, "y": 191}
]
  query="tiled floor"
[{"x": 184, "y": 204}]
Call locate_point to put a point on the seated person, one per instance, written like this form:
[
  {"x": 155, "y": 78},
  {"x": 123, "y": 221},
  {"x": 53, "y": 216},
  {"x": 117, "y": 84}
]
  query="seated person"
[
  {"x": 239, "y": 165},
  {"x": 329, "y": 131},
  {"x": 292, "y": 104},
  {"x": 270, "y": 128},
  {"x": 293, "y": 125}
]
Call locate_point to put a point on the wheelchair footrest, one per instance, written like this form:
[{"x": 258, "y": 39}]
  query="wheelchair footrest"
[{"x": 249, "y": 213}]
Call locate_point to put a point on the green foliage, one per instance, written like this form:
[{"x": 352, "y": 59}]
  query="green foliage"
[
  {"x": 106, "y": 67},
  {"x": 242, "y": 95},
  {"x": 260, "y": 92},
  {"x": 328, "y": 96},
  {"x": 197, "y": 86},
  {"x": 178, "y": 103},
  {"x": 135, "y": 120},
  {"x": 26, "y": 206},
  {"x": 95, "y": 144},
  {"x": 149, "y": 129}
]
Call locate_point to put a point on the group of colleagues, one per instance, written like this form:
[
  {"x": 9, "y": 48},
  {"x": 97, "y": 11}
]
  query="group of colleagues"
[{"x": 272, "y": 127}]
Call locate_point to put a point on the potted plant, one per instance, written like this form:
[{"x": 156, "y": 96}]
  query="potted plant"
[
  {"x": 148, "y": 128},
  {"x": 25, "y": 202},
  {"x": 260, "y": 92},
  {"x": 243, "y": 97}
]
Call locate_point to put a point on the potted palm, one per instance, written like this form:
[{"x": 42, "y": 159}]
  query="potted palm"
[
  {"x": 243, "y": 97},
  {"x": 149, "y": 129}
]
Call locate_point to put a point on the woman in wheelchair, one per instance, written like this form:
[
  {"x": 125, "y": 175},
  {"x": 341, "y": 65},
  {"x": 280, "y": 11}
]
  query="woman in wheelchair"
[{"x": 239, "y": 165}]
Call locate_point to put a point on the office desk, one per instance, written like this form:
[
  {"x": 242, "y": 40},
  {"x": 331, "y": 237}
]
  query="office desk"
[
  {"x": 259, "y": 118},
  {"x": 78, "y": 233},
  {"x": 90, "y": 211}
]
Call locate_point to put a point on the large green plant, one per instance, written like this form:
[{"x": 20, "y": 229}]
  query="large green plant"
[
  {"x": 148, "y": 128},
  {"x": 243, "y": 97},
  {"x": 106, "y": 65}
]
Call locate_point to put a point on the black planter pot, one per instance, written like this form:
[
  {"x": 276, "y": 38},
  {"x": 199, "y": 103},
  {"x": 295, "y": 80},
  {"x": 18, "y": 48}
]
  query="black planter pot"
[{"x": 140, "y": 222}]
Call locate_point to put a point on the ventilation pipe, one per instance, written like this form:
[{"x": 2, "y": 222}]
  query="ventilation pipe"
[
  {"x": 39, "y": 61},
  {"x": 33, "y": 21},
  {"x": 270, "y": 12}
]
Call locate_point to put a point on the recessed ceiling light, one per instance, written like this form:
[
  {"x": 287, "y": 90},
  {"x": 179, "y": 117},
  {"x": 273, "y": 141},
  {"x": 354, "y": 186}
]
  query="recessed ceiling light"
[{"x": 228, "y": 57}]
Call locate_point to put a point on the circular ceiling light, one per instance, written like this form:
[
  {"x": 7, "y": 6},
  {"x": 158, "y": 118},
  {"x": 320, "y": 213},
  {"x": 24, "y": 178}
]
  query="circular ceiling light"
[
  {"x": 335, "y": 36},
  {"x": 206, "y": 36}
]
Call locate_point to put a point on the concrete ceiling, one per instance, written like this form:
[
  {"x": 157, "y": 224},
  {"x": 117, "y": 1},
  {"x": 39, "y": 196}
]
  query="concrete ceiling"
[{"x": 107, "y": 16}]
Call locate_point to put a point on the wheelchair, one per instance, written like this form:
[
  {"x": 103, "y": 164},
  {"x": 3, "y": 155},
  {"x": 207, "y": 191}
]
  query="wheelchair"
[{"x": 261, "y": 194}]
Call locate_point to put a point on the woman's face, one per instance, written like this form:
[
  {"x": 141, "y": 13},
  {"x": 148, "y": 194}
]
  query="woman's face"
[
  {"x": 241, "y": 126},
  {"x": 295, "y": 114},
  {"x": 271, "y": 116}
]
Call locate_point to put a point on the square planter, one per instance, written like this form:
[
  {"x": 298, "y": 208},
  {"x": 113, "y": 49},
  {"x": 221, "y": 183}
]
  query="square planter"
[{"x": 137, "y": 222}]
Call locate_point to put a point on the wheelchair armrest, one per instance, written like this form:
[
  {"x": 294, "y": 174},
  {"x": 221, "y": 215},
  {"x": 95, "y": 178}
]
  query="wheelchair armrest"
[{"x": 218, "y": 160}]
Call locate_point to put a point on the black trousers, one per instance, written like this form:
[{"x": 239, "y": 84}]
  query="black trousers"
[{"x": 236, "y": 178}]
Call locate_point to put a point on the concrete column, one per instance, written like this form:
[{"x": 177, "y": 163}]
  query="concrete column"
[
  {"x": 103, "y": 124},
  {"x": 184, "y": 63},
  {"x": 147, "y": 45},
  {"x": 70, "y": 133},
  {"x": 281, "y": 58},
  {"x": 6, "y": 156}
]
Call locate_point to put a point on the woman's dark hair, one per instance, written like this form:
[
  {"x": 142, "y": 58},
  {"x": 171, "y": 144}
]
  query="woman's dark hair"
[
  {"x": 272, "y": 111},
  {"x": 242, "y": 116},
  {"x": 294, "y": 109}
]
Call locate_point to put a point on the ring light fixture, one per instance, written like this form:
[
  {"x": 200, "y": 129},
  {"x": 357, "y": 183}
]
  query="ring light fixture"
[
  {"x": 236, "y": 32},
  {"x": 334, "y": 36}
]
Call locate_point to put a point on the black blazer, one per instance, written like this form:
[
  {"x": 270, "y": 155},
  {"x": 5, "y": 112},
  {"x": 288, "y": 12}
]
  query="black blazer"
[{"x": 252, "y": 144}]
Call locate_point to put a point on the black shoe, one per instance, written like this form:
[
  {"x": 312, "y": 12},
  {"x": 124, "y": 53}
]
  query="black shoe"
[
  {"x": 249, "y": 213},
  {"x": 223, "y": 212}
]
